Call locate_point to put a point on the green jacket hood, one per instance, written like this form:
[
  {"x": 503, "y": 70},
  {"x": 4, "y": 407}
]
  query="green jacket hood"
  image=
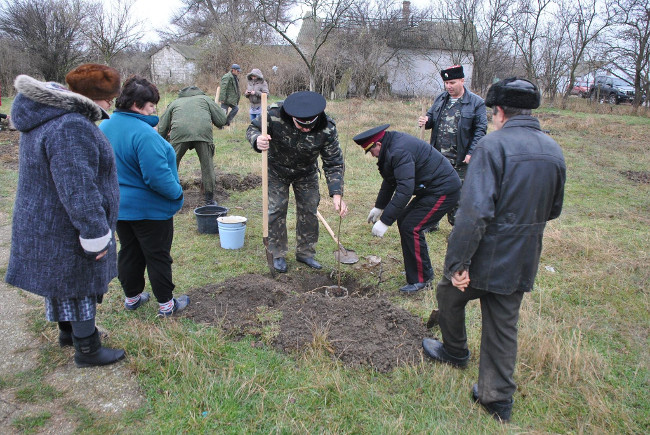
[{"x": 190, "y": 91}]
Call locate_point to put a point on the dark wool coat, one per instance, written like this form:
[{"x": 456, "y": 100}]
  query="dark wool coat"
[
  {"x": 68, "y": 195},
  {"x": 410, "y": 166},
  {"x": 514, "y": 184}
]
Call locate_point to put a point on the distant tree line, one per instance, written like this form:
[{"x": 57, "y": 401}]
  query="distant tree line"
[{"x": 549, "y": 41}]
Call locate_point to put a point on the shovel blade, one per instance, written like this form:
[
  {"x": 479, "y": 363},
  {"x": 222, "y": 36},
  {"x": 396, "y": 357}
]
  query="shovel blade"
[
  {"x": 346, "y": 256},
  {"x": 269, "y": 256}
]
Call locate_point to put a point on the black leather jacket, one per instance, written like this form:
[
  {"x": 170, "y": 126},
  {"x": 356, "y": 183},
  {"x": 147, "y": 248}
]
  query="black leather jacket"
[
  {"x": 514, "y": 185},
  {"x": 471, "y": 127}
]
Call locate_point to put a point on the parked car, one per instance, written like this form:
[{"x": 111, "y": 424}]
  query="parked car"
[
  {"x": 611, "y": 89},
  {"x": 581, "y": 89}
]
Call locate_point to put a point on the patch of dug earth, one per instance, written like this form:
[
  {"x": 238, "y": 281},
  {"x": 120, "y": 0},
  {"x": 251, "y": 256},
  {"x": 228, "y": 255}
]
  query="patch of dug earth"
[
  {"x": 9, "y": 140},
  {"x": 193, "y": 189},
  {"x": 641, "y": 177},
  {"x": 360, "y": 329}
]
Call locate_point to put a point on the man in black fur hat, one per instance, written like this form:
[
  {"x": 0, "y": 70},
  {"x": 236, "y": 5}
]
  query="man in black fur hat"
[
  {"x": 457, "y": 120},
  {"x": 514, "y": 185}
]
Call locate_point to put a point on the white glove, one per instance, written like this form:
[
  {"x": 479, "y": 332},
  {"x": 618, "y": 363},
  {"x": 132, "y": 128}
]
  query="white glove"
[
  {"x": 374, "y": 215},
  {"x": 379, "y": 229}
]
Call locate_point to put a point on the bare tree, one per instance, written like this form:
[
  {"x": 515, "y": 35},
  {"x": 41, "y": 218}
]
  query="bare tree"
[
  {"x": 320, "y": 18},
  {"x": 50, "y": 32},
  {"x": 112, "y": 29},
  {"x": 585, "y": 21},
  {"x": 631, "y": 43},
  {"x": 525, "y": 30}
]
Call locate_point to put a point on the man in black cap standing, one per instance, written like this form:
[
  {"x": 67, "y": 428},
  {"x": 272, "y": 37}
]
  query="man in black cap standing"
[
  {"x": 514, "y": 185},
  {"x": 420, "y": 186},
  {"x": 229, "y": 95},
  {"x": 457, "y": 120},
  {"x": 298, "y": 132}
]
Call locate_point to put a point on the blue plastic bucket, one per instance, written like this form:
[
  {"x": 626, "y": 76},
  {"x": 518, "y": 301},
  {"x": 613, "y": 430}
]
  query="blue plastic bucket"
[{"x": 231, "y": 231}]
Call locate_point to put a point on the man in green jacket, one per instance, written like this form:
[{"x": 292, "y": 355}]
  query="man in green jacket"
[
  {"x": 188, "y": 121},
  {"x": 229, "y": 96}
]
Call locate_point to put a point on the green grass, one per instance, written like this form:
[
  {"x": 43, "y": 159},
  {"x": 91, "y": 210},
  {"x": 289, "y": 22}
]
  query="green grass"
[
  {"x": 32, "y": 423},
  {"x": 583, "y": 332}
]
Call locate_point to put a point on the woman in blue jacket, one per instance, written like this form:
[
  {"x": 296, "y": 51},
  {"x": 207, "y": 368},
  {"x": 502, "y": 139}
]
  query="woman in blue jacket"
[{"x": 150, "y": 196}]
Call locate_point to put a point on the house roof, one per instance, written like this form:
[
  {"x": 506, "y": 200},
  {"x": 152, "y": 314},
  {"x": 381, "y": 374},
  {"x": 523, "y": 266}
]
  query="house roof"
[{"x": 189, "y": 52}]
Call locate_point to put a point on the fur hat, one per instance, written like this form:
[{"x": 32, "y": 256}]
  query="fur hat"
[
  {"x": 514, "y": 92},
  {"x": 452, "y": 73},
  {"x": 95, "y": 81}
]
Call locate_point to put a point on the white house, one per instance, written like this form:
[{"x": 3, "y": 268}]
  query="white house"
[{"x": 174, "y": 63}]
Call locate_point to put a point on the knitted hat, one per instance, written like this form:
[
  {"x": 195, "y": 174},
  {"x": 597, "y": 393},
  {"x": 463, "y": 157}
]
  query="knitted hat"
[
  {"x": 514, "y": 92},
  {"x": 97, "y": 82},
  {"x": 452, "y": 73}
]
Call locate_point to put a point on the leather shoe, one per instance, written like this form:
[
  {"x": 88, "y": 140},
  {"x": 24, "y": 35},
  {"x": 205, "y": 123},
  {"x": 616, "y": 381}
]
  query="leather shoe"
[
  {"x": 412, "y": 288},
  {"x": 436, "y": 350},
  {"x": 280, "y": 264},
  {"x": 309, "y": 261},
  {"x": 500, "y": 410}
]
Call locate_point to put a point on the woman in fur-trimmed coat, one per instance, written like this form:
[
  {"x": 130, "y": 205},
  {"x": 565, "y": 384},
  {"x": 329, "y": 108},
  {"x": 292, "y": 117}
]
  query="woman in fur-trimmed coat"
[{"x": 65, "y": 212}]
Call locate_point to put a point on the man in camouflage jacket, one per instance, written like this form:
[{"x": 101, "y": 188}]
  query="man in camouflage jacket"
[{"x": 298, "y": 132}]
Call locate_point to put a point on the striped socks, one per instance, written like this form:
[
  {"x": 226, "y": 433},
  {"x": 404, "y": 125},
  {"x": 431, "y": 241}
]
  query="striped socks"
[
  {"x": 132, "y": 301},
  {"x": 167, "y": 307}
]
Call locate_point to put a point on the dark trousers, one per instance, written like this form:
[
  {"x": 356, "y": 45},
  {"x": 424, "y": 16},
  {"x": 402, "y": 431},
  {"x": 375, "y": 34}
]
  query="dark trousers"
[
  {"x": 499, "y": 315},
  {"x": 205, "y": 151},
  {"x": 233, "y": 112},
  {"x": 420, "y": 215},
  {"x": 306, "y": 192},
  {"x": 146, "y": 244}
]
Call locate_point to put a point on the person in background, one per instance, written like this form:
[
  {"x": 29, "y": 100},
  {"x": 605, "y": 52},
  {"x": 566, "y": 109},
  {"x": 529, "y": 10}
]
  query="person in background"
[
  {"x": 420, "y": 186},
  {"x": 458, "y": 120},
  {"x": 299, "y": 131},
  {"x": 514, "y": 185},
  {"x": 254, "y": 90},
  {"x": 65, "y": 212},
  {"x": 188, "y": 123},
  {"x": 229, "y": 95},
  {"x": 150, "y": 196}
]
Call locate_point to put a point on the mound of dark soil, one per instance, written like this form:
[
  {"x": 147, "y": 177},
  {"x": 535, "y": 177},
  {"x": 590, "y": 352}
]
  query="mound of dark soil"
[
  {"x": 361, "y": 328},
  {"x": 641, "y": 177},
  {"x": 193, "y": 189}
]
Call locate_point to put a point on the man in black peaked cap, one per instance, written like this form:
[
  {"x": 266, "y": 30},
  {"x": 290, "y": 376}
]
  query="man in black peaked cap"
[
  {"x": 298, "y": 132},
  {"x": 420, "y": 186},
  {"x": 514, "y": 185},
  {"x": 457, "y": 120}
]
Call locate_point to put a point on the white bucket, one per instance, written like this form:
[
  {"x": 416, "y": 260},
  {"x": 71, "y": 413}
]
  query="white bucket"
[{"x": 231, "y": 231}]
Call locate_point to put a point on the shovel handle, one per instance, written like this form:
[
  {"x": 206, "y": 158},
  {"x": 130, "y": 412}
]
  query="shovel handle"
[
  {"x": 216, "y": 96},
  {"x": 424, "y": 113},
  {"x": 265, "y": 175},
  {"x": 329, "y": 230}
]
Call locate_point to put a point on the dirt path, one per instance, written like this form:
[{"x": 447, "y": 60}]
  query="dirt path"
[{"x": 104, "y": 391}]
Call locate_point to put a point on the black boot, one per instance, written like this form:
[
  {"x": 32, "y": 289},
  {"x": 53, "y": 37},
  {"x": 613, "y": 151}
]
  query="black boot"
[
  {"x": 89, "y": 352},
  {"x": 209, "y": 199},
  {"x": 65, "y": 334}
]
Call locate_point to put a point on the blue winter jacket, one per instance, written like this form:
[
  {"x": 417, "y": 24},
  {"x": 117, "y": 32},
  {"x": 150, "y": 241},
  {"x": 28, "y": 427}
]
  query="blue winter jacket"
[{"x": 146, "y": 168}]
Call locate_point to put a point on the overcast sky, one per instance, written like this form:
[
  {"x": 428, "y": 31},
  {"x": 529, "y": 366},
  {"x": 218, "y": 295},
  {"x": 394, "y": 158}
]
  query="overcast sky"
[{"x": 157, "y": 13}]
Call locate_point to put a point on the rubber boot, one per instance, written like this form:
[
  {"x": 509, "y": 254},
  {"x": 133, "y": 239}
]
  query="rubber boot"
[
  {"x": 89, "y": 352},
  {"x": 209, "y": 199},
  {"x": 65, "y": 334}
]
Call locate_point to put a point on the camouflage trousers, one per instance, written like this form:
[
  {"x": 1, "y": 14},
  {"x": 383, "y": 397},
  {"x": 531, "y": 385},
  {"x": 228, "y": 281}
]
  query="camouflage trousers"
[
  {"x": 307, "y": 196},
  {"x": 205, "y": 151}
]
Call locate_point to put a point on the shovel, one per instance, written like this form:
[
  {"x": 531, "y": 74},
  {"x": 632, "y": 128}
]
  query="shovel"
[
  {"x": 345, "y": 256},
  {"x": 265, "y": 193}
]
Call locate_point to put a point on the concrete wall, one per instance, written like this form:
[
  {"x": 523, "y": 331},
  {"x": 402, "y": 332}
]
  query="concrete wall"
[{"x": 169, "y": 66}]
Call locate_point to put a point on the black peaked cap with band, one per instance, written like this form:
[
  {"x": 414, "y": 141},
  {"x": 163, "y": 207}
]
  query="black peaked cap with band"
[
  {"x": 514, "y": 92},
  {"x": 304, "y": 105}
]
